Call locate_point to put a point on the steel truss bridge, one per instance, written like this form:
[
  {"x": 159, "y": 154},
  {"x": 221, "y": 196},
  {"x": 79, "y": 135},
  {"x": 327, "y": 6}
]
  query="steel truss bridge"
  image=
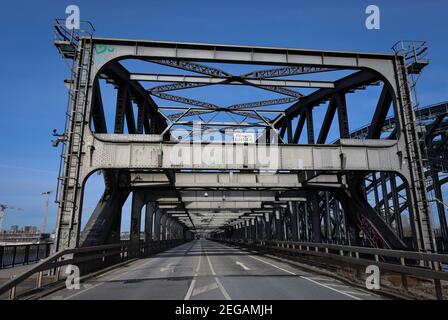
[
  {"x": 272, "y": 178},
  {"x": 308, "y": 189}
]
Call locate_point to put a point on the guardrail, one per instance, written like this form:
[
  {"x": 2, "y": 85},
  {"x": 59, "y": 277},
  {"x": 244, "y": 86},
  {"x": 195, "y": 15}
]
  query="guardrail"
[
  {"x": 405, "y": 263},
  {"x": 21, "y": 254},
  {"x": 88, "y": 259}
]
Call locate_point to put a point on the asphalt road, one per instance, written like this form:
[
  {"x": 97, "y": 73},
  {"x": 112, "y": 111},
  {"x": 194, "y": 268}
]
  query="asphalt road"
[{"x": 206, "y": 270}]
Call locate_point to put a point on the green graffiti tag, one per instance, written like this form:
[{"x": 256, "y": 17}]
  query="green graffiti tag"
[{"x": 101, "y": 48}]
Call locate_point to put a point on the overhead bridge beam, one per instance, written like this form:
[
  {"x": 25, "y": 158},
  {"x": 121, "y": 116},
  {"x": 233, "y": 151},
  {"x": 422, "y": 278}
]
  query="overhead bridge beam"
[
  {"x": 230, "y": 81},
  {"x": 350, "y": 155},
  {"x": 204, "y": 180}
]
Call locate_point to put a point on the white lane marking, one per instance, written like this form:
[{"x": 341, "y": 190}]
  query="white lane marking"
[
  {"x": 190, "y": 290},
  {"x": 307, "y": 278},
  {"x": 359, "y": 293},
  {"x": 210, "y": 265},
  {"x": 323, "y": 279},
  {"x": 193, "y": 282},
  {"x": 221, "y": 287},
  {"x": 169, "y": 267},
  {"x": 223, "y": 290},
  {"x": 336, "y": 285},
  {"x": 82, "y": 291},
  {"x": 199, "y": 265},
  {"x": 242, "y": 266},
  {"x": 273, "y": 265},
  {"x": 328, "y": 287},
  {"x": 206, "y": 288}
]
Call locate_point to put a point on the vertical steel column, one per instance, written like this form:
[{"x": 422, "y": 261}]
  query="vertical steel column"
[
  {"x": 157, "y": 223},
  {"x": 253, "y": 229},
  {"x": 122, "y": 97},
  {"x": 310, "y": 124},
  {"x": 278, "y": 224},
  {"x": 267, "y": 226},
  {"x": 344, "y": 130},
  {"x": 149, "y": 216},
  {"x": 306, "y": 220},
  {"x": 440, "y": 207},
  {"x": 169, "y": 229},
  {"x": 385, "y": 198},
  {"x": 328, "y": 229},
  {"x": 136, "y": 214},
  {"x": 163, "y": 226},
  {"x": 315, "y": 216},
  {"x": 294, "y": 227},
  {"x": 375, "y": 192},
  {"x": 396, "y": 202}
]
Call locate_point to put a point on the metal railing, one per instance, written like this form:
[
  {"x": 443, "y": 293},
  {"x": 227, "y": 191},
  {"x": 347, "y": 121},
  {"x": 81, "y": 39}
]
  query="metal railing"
[
  {"x": 22, "y": 254},
  {"x": 405, "y": 263},
  {"x": 88, "y": 259}
]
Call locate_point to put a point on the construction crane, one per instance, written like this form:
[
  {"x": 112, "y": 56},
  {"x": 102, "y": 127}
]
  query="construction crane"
[
  {"x": 43, "y": 227},
  {"x": 3, "y": 208}
]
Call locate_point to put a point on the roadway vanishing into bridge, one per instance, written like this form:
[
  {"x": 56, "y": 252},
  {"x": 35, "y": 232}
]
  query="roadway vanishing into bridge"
[{"x": 203, "y": 269}]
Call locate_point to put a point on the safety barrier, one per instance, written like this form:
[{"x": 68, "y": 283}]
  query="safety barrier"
[
  {"x": 88, "y": 259},
  {"x": 22, "y": 254},
  {"x": 405, "y": 263}
]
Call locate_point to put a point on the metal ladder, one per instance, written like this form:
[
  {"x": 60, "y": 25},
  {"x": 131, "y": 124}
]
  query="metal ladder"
[
  {"x": 418, "y": 181},
  {"x": 69, "y": 185}
]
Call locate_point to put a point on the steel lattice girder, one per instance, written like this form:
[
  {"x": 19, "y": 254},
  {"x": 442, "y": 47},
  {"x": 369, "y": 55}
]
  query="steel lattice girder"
[{"x": 183, "y": 81}]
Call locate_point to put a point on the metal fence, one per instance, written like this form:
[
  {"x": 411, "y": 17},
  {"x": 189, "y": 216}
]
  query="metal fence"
[
  {"x": 88, "y": 259},
  {"x": 404, "y": 263},
  {"x": 22, "y": 254}
]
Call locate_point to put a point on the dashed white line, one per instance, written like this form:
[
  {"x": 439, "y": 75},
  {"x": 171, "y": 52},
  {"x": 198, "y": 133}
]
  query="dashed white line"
[
  {"x": 193, "y": 282},
  {"x": 323, "y": 279},
  {"x": 328, "y": 287},
  {"x": 359, "y": 293},
  {"x": 242, "y": 265},
  {"x": 273, "y": 265},
  {"x": 190, "y": 290},
  {"x": 221, "y": 287},
  {"x": 306, "y": 278},
  {"x": 223, "y": 290}
]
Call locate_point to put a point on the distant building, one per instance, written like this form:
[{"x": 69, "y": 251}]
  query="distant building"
[
  {"x": 27, "y": 234},
  {"x": 23, "y": 237},
  {"x": 30, "y": 229}
]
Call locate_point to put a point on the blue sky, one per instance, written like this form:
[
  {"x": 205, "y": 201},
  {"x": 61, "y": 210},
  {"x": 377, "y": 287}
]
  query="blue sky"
[{"x": 33, "y": 97}]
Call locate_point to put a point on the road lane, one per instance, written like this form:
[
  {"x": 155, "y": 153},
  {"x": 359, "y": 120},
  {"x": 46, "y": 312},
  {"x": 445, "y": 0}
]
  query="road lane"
[
  {"x": 270, "y": 279},
  {"x": 203, "y": 269}
]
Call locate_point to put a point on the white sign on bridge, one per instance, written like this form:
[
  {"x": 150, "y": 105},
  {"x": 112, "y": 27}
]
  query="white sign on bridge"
[{"x": 244, "y": 137}]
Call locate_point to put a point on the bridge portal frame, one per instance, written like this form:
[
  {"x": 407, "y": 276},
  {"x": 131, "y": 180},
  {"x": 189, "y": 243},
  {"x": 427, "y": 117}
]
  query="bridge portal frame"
[{"x": 130, "y": 152}]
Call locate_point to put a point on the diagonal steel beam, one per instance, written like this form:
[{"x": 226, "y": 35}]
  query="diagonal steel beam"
[
  {"x": 328, "y": 119},
  {"x": 353, "y": 81},
  {"x": 189, "y": 101}
]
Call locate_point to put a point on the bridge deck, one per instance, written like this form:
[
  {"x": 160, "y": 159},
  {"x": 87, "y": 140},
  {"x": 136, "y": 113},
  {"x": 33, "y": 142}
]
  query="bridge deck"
[{"x": 203, "y": 269}]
